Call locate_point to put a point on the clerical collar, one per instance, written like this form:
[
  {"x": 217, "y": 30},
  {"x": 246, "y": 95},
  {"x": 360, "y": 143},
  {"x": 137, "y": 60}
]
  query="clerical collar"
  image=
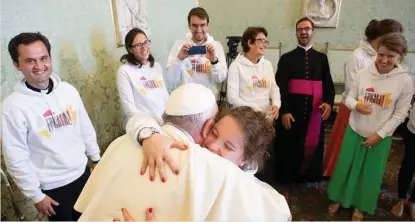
[
  {"x": 44, "y": 91},
  {"x": 306, "y": 48}
]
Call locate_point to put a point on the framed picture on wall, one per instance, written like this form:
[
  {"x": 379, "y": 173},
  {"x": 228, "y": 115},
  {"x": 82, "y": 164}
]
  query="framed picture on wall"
[
  {"x": 324, "y": 13},
  {"x": 129, "y": 14}
]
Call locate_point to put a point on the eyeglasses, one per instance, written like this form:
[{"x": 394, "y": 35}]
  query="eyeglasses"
[
  {"x": 144, "y": 43},
  {"x": 263, "y": 41},
  {"x": 307, "y": 29},
  {"x": 197, "y": 26}
]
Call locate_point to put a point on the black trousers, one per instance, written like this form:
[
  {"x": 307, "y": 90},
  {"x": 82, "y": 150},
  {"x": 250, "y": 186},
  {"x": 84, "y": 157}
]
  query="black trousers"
[
  {"x": 406, "y": 173},
  {"x": 66, "y": 196},
  {"x": 288, "y": 155}
]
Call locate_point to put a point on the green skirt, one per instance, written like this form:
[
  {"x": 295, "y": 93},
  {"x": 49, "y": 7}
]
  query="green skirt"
[{"x": 358, "y": 176}]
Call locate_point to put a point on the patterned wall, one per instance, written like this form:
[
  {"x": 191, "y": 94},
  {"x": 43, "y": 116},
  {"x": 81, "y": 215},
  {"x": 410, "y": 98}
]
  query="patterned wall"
[{"x": 232, "y": 17}]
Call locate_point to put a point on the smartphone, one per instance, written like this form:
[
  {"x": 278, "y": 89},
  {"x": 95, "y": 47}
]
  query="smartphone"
[{"x": 197, "y": 50}]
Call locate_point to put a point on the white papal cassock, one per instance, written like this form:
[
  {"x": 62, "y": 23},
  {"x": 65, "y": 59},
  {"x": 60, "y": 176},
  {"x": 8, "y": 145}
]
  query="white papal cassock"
[{"x": 208, "y": 187}]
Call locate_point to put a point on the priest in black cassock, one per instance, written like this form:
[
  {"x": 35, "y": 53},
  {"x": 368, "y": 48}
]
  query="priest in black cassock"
[{"x": 307, "y": 96}]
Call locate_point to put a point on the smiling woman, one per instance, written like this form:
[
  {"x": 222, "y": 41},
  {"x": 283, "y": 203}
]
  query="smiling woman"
[
  {"x": 241, "y": 135},
  {"x": 251, "y": 80},
  {"x": 379, "y": 99},
  {"x": 140, "y": 79}
]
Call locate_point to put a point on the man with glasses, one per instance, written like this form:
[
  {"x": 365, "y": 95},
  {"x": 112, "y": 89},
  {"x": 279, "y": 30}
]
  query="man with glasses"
[
  {"x": 307, "y": 97},
  {"x": 206, "y": 66}
]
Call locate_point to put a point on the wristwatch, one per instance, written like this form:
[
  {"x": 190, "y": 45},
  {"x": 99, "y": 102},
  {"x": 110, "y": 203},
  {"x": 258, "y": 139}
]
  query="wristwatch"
[
  {"x": 215, "y": 62},
  {"x": 145, "y": 133}
]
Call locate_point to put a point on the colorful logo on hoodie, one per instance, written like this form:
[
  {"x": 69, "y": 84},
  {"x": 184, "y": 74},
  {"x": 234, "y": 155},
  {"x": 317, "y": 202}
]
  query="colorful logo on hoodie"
[
  {"x": 260, "y": 83},
  {"x": 150, "y": 84},
  {"x": 382, "y": 100},
  {"x": 58, "y": 121},
  {"x": 199, "y": 65}
]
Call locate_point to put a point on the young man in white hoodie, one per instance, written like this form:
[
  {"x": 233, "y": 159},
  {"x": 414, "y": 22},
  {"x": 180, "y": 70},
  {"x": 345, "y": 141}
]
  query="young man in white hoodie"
[
  {"x": 379, "y": 99},
  {"x": 208, "y": 69},
  {"x": 251, "y": 80},
  {"x": 46, "y": 132}
]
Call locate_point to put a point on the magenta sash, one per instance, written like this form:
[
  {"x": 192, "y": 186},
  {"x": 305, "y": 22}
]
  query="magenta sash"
[{"x": 315, "y": 89}]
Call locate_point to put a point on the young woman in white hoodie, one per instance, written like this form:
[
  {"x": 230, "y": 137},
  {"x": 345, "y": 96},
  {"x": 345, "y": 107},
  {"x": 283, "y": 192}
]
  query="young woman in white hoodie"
[
  {"x": 379, "y": 98},
  {"x": 251, "y": 80},
  {"x": 361, "y": 57},
  {"x": 407, "y": 171},
  {"x": 140, "y": 79}
]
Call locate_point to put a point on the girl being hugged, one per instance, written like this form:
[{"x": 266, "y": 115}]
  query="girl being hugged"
[{"x": 379, "y": 98}]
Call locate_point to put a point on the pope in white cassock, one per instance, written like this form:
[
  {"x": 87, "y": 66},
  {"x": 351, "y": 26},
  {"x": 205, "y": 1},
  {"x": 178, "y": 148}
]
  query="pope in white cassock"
[{"x": 207, "y": 188}]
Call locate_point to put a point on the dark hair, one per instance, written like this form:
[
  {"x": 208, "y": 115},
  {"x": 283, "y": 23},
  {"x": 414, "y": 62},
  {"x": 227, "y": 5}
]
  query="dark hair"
[
  {"x": 26, "y": 38},
  {"x": 129, "y": 57},
  {"x": 304, "y": 19},
  {"x": 257, "y": 129},
  {"x": 376, "y": 29},
  {"x": 199, "y": 12},
  {"x": 250, "y": 34},
  {"x": 395, "y": 42}
]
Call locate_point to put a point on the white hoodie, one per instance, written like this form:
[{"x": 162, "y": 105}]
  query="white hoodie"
[
  {"x": 244, "y": 88},
  {"x": 45, "y": 137},
  {"x": 362, "y": 57},
  {"x": 196, "y": 68},
  {"x": 390, "y": 95},
  {"x": 142, "y": 90}
]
